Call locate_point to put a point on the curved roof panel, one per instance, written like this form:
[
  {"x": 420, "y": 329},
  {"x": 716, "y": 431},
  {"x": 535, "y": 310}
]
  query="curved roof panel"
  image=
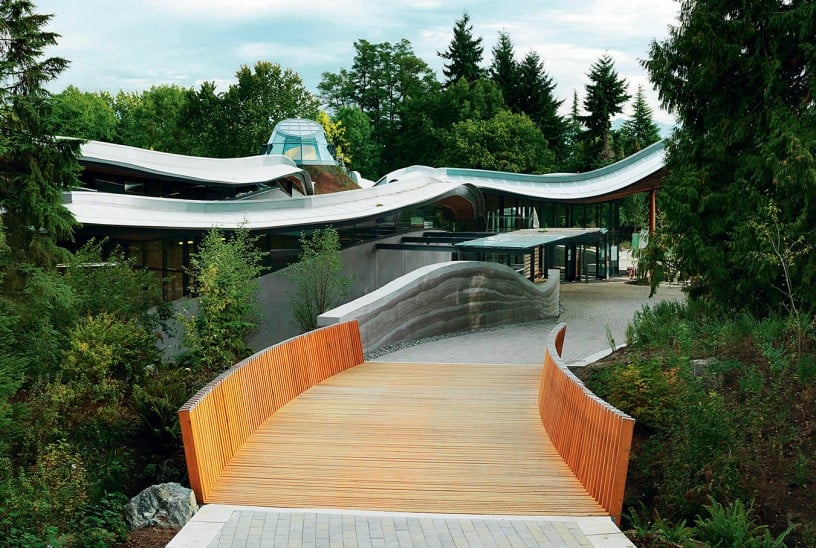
[
  {"x": 591, "y": 185},
  {"x": 400, "y": 189},
  {"x": 214, "y": 171},
  {"x": 100, "y": 208}
]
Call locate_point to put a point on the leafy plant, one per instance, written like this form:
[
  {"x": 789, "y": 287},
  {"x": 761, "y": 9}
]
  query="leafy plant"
[
  {"x": 733, "y": 525},
  {"x": 224, "y": 278},
  {"x": 318, "y": 277}
]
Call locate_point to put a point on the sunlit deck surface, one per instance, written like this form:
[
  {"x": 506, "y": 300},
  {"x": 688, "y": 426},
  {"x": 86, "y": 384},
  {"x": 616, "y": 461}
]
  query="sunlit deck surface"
[{"x": 452, "y": 439}]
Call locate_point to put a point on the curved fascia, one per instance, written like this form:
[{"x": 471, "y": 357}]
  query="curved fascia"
[
  {"x": 553, "y": 186},
  {"x": 215, "y": 171},
  {"x": 98, "y": 208}
]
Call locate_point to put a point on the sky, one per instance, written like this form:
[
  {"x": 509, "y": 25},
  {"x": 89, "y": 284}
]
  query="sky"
[{"x": 133, "y": 44}]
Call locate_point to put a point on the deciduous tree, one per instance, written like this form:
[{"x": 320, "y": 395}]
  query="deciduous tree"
[
  {"x": 318, "y": 277},
  {"x": 263, "y": 96},
  {"x": 84, "y": 114},
  {"x": 506, "y": 142}
]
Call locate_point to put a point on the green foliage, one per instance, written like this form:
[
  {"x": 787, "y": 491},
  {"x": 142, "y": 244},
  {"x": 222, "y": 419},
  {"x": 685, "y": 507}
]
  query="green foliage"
[
  {"x": 504, "y": 68},
  {"x": 34, "y": 166},
  {"x": 736, "y": 78},
  {"x": 464, "y": 53},
  {"x": 534, "y": 97},
  {"x": 506, "y": 142},
  {"x": 129, "y": 291},
  {"x": 365, "y": 155},
  {"x": 317, "y": 277},
  {"x": 87, "y": 115},
  {"x": 639, "y": 131},
  {"x": 151, "y": 119},
  {"x": 605, "y": 97},
  {"x": 224, "y": 277},
  {"x": 643, "y": 389},
  {"x": 158, "y": 397},
  {"x": 382, "y": 80},
  {"x": 43, "y": 501},
  {"x": 733, "y": 525},
  {"x": 736, "y": 425},
  {"x": 263, "y": 96}
]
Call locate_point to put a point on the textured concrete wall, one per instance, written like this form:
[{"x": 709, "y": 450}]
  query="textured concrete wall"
[
  {"x": 446, "y": 298},
  {"x": 368, "y": 269}
]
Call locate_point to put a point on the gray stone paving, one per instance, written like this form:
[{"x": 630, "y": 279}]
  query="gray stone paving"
[
  {"x": 260, "y": 527},
  {"x": 590, "y": 311},
  {"x": 596, "y": 315}
]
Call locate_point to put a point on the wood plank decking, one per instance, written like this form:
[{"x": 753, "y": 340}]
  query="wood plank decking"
[{"x": 410, "y": 438}]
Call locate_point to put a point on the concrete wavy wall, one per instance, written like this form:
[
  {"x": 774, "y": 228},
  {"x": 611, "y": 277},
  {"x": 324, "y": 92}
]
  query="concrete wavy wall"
[{"x": 446, "y": 298}]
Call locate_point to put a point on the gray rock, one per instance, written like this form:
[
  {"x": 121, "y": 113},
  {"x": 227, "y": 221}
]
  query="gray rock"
[{"x": 163, "y": 505}]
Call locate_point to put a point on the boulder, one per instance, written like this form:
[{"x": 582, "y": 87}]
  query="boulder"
[{"x": 162, "y": 505}]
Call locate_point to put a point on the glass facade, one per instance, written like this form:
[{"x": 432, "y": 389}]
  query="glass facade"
[{"x": 302, "y": 141}]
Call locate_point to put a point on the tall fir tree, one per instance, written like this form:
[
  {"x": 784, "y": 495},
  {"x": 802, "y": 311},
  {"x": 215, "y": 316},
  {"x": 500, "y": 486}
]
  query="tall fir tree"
[
  {"x": 573, "y": 142},
  {"x": 464, "y": 53},
  {"x": 34, "y": 166},
  {"x": 742, "y": 161},
  {"x": 640, "y": 130},
  {"x": 535, "y": 98},
  {"x": 605, "y": 97},
  {"x": 504, "y": 68}
]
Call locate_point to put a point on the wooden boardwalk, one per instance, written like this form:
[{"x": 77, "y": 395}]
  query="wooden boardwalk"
[{"x": 453, "y": 439}]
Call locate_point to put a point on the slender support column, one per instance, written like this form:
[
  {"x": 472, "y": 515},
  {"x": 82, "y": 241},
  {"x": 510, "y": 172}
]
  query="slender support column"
[{"x": 652, "y": 210}]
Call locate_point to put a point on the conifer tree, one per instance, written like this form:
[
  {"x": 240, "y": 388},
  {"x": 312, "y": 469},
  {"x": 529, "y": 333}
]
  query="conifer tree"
[
  {"x": 504, "y": 68},
  {"x": 739, "y": 78},
  {"x": 464, "y": 53},
  {"x": 639, "y": 131},
  {"x": 535, "y": 99},
  {"x": 573, "y": 142},
  {"x": 605, "y": 97},
  {"x": 34, "y": 166}
]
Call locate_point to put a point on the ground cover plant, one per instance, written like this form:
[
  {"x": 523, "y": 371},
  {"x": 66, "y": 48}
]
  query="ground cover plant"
[{"x": 725, "y": 436}]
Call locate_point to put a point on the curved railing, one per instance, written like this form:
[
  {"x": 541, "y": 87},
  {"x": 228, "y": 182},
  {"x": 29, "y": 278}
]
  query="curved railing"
[
  {"x": 216, "y": 422},
  {"x": 591, "y": 436}
]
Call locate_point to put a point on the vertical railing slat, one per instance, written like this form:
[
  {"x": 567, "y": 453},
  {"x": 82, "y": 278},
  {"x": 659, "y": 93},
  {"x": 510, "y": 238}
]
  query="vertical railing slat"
[{"x": 592, "y": 437}]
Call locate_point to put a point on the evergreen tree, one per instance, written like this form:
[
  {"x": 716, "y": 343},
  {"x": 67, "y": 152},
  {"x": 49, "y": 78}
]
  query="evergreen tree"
[
  {"x": 739, "y": 78},
  {"x": 534, "y": 90},
  {"x": 34, "y": 166},
  {"x": 605, "y": 97},
  {"x": 574, "y": 159},
  {"x": 464, "y": 53},
  {"x": 504, "y": 68},
  {"x": 640, "y": 131}
]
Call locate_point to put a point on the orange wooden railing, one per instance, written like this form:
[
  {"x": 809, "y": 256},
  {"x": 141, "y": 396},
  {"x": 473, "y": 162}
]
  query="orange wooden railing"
[
  {"x": 591, "y": 436},
  {"x": 216, "y": 422}
]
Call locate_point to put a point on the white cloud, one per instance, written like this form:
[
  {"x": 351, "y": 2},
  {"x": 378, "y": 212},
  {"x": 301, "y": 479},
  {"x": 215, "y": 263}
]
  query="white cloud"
[
  {"x": 146, "y": 42},
  {"x": 220, "y": 10}
]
